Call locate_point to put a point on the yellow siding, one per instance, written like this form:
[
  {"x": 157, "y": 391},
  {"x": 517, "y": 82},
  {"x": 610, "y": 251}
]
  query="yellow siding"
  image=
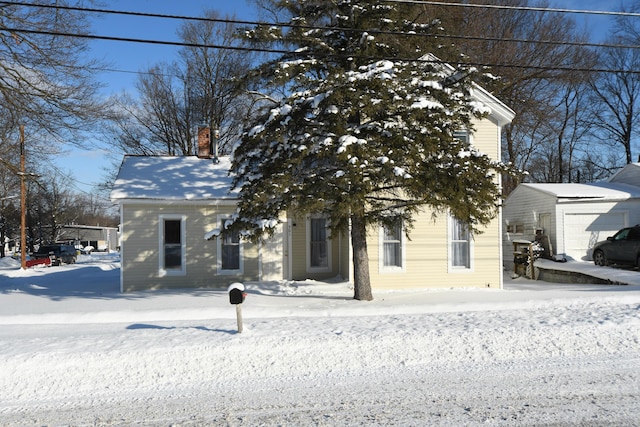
[
  {"x": 141, "y": 248},
  {"x": 427, "y": 259},
  {"x": 427, "y": 263},
  {"x": 486, "y": 137},
  {"x": 299, "y": 249}
]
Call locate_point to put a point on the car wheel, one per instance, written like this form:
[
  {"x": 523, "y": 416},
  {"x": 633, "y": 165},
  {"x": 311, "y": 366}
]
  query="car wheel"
[{"x": 599, "y": 258}]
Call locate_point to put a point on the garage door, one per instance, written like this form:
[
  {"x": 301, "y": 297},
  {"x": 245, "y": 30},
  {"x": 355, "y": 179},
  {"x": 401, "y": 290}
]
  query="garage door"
[{"x": 582, "y": 231}]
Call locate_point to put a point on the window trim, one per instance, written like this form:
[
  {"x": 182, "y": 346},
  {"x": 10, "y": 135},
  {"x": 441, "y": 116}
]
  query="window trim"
[
  {"x": 182, "y": 271},
  {"x": 402, "y": 268},
  {"x": 220, "y": 270},
  {"x": 328, "y": 267},
  {"x": 463, "y": 135},
  {"x": 451, "y": 221}
]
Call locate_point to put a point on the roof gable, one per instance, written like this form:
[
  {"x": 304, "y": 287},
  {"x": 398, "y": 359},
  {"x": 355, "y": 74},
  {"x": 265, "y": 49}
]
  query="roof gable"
[
  {"x": 173, "y": 178},
  {"x": 630, "y": 174},
  {"x": 498, "y": 110}
]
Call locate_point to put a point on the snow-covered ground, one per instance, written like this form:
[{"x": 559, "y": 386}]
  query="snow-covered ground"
[{"x": 74, "y": 351}]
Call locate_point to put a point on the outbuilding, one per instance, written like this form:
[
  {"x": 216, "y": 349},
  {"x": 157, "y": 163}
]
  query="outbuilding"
[{"x": 573, "y": 216}]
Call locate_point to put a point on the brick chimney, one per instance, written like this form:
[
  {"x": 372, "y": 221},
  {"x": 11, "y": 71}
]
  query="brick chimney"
[{"x": 204, "y": 142}]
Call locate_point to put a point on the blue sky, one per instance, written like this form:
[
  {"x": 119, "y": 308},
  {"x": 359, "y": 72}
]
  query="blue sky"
[{"x": 87, "y": 165}]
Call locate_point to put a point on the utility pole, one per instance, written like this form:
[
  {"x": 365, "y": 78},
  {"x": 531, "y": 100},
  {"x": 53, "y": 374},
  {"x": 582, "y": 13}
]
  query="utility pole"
[{"x": 23, "y": 204}]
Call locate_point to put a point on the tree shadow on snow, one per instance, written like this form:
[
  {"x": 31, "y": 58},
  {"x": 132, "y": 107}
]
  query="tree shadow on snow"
[
  {"x": 72, "y": 283},
  {"x": 137, "y": 326}
]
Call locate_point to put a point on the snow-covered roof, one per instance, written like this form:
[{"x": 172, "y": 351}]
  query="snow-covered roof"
[
  {"x": 629, "y": 174},
  {"x": 605, "y": 191},
  {"x": 172, "y": 178}
]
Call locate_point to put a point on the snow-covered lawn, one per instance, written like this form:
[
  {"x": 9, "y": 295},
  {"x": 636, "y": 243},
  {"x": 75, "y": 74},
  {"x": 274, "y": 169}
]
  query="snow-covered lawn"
[{"x": 74, "y": 351}]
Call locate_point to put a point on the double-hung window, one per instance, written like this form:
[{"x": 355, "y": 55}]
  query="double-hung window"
[
  {"x": 229, "y": 251},
  {"x": 392, "y": 244},
  {"x": 172, "y": 245},
  {"x": 461, "y": 135},
  {"x": 460, "y": 245}
]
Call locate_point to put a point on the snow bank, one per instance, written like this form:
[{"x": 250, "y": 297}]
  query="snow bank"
[{"x": 75, "y": 351}]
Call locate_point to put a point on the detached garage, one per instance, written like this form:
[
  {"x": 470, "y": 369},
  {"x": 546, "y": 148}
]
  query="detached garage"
[{"x": 573, "y": 216}]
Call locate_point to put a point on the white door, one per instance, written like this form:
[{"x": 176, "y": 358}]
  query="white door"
[{"x": 583, "y": 230}]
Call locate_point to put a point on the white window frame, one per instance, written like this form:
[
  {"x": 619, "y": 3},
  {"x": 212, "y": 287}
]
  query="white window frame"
[
  {"x": 402, "y": 242},
  {"x": 463, "y": 135},
  {"x": 222, "y": 271},
  {"x": 452, "y": 221},
  {"x": 163, "y": 271},
  {"x": 320, "y": 269}
]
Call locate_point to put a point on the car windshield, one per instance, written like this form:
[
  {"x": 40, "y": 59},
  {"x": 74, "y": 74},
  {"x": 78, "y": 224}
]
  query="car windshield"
[{"x": 622, "y": 234}]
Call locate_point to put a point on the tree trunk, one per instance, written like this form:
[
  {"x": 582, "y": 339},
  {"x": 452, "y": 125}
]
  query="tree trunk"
[{"x": 362, "y": 281}]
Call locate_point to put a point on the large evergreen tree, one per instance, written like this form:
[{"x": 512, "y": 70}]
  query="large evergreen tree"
[{"x": 364, "y": 136}]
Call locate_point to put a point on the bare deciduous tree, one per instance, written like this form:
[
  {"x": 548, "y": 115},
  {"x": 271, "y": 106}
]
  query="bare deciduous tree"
[
  {"x": 46, "y": 81},
  {"x": 204, "y": 88},
  {"x": 528, "y": 53},
  {"x": 616, "y": 109}
]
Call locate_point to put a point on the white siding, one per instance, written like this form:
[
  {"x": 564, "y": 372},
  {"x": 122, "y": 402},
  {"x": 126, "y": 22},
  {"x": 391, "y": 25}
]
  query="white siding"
[
  {"x": 598, "y": 220},
  {"x": 583, "y": 230},
  {"x": 630, "y": 174},
  {"x": 524, "y": 206}
]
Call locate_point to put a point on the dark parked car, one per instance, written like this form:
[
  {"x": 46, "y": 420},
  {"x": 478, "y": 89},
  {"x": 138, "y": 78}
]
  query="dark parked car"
[
  {"x": 57, "y": 253},
  {"x": 621, "y": 248}
]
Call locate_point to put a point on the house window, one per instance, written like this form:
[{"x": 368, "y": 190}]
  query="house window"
[
  {"x": 460, "y": 245},
  {"x": 172, "y": 245},
  {"x": 392, "y": 244},
  {"x": 229, "y": 250},
  {"x": 319, "y": 249},
  {"x": 515, "y": 228},
  {"x": 461, "y": 135}
]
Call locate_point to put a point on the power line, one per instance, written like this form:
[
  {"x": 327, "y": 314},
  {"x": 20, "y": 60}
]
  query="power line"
[
  {"x": 298, "y": 54},
  {"x": 520, "y": 8},
  {"x": 328, "y": 55},
  {"x": 371, "y": 31}
]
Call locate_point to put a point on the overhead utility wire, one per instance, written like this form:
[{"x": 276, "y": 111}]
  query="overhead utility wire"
[
  {"x": 522, "y": 8},
  {"x": 371, "y": 31},
  {"x": 327, "y": 55},
  {"x": 425, "y": 2}
]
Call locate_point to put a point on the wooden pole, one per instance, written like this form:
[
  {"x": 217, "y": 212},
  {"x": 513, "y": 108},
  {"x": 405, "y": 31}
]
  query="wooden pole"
[
  {"x": 23, "y": 204},
  {"x": 239, "y": 317}
]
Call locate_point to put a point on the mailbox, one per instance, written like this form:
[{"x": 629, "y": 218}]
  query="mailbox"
[
  {"x": 236, "y": 296},
  {"x": 236, "y": 293}
]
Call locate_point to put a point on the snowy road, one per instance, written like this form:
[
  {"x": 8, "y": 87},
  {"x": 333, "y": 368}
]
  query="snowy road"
[{"x": 558, "y": 363}]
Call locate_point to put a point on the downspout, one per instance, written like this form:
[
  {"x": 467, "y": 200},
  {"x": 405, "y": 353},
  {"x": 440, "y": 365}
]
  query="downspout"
[
  {"x": 259, "y": 261},
  {"x": 289, "y": 238},
  {"x": 121, "y": 248},
  {"x": 500, "y": 239}
]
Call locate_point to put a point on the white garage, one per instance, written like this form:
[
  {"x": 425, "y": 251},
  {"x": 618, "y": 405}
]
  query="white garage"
[
  {"x": 573, "y": 216},
  {"x": 583, "y": 230}
]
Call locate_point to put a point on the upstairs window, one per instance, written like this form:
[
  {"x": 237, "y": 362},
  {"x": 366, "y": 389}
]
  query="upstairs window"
[{"x": 461, "y": 135}]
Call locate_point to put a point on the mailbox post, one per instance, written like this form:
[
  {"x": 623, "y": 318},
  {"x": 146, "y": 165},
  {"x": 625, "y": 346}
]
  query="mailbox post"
[{"x": 236, "y": 297}]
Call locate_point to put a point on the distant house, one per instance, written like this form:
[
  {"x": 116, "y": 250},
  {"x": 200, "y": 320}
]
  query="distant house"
[
  {"x": 98, "y": 237},
  {"x": 574, "y": 216},
  {"x": 170, "y": 205}
]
